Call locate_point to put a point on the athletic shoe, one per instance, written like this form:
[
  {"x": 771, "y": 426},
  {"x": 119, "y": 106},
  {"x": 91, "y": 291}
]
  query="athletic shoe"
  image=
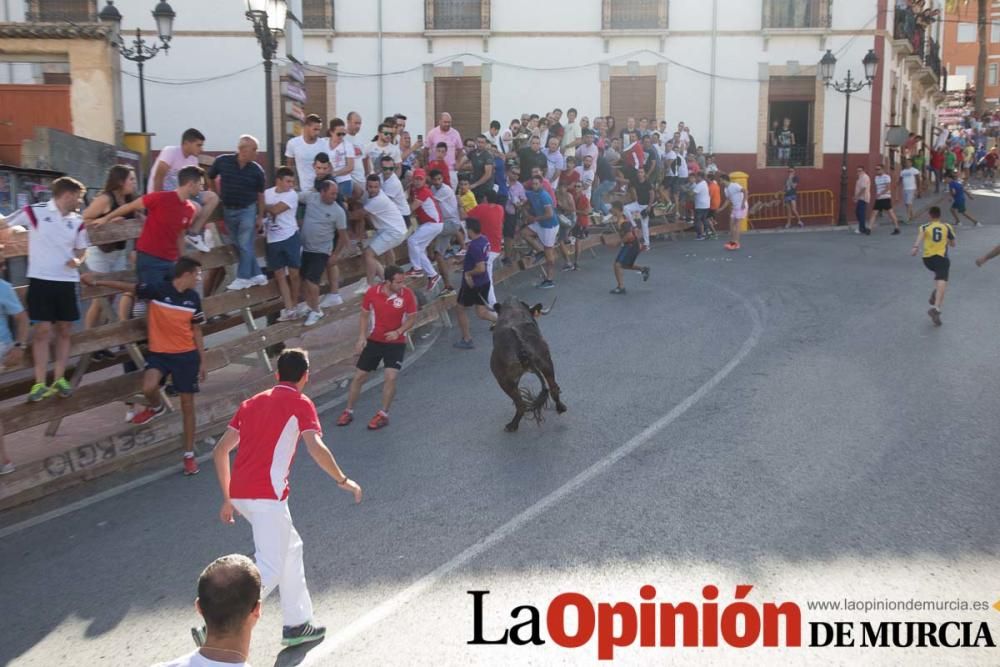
[
  {"x": 569, "y": 267},
  {"x": 645, "y": 273},
  {"x": 699, "y": 238},
  {"x": 149, "y": 414},
  {"x": 380, "y": 420},
  {"x": 238, "y": 284},
  {"x": 935, "y": 316},
  {"x": 330, "y": 300},
  {"x": 894, "y": 232},
  {"x": 302, "y": 634},
  {"x": 618, "y": 290},
  {"x": 199, "y": 635},
  {"x": 978, "y": 224},
  {"x": 60, "y": 388},
  {"x": 802, "y": 224},
  {"x": 362, "y": 286},
  {"x": 190, "y": 466},
  {"x": 447, "y": 291},
  {"x": 197, "y": 241},
  {"x": 546, "y": 284},
  {"x": 38, "y": 392},
  {"x": 258, "y": 280},
  {"x": 130, "y": 414},
  {"x": 414, "y": 273},
  {"x": 433, "y": 282},
  {"x": 303, "y": 309},
  {"x": 288, "y": 314},
  {"x": 345, "y": 418},
  {"x": 314, "y": 317},
  {"x": 464, "y": 345},
  {"x": 7, "y": 468},
  {"x": 856, "y": 231}
]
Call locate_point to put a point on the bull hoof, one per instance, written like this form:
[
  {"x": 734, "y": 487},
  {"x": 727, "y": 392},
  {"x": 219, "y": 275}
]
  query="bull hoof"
[
  {"x": 561, "y": 408},
  {"x": 511, "y": 427}
]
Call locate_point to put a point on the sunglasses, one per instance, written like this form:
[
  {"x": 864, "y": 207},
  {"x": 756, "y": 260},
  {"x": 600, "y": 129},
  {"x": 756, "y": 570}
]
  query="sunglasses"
[
  {"x": 340, "y": 134},
  {"x": 387, "y": 134},
  {"x": 387, "y": 167}
]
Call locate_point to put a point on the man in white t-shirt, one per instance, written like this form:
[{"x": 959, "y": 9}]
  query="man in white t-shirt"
[
  {"x": 229, "y": 592},
  {"x": 284, "y": 244},
  {"x": 587, "y": 172},
  {"x": 390, "y": 227},
  {"x": 702, "y": 202},
  {"x": 163, "y": 178},
  {"x": 571, "y": 133},
  {"x": 383, "y": 146},
  {"x": 392, "y": 186},
  {"x": 301, "y": 152},
  {"x": 883, "y": 199},
  {"x": 909, "y": 178},
  {"x": 362, "y": 166}
]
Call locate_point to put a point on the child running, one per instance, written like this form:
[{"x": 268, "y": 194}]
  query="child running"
[
  {"x": 629, "y": 252},
  {"x": 958, "y": 193},
  {"x": 936, "y": 237}
]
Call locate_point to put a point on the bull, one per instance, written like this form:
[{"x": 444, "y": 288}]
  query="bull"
[{"x": 518, "y": 348}]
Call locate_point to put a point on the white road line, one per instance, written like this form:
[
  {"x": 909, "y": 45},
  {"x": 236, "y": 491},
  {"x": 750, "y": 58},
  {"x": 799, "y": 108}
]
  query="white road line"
[
  {"x": 171, "y": 471},
  {"x": 417, "y": 588}
]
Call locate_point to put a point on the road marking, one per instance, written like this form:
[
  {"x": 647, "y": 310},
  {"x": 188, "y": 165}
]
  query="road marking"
[
  {"x": 168, "y": 472},
  {"x": 428, "y": 581}
]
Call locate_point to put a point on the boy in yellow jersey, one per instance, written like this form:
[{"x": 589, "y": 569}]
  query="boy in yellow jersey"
[{"x": 936, "y": 236}]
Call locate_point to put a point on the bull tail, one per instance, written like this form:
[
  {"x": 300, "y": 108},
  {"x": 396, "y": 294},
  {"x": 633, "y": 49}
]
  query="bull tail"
[{"x": 534, "y": 404}]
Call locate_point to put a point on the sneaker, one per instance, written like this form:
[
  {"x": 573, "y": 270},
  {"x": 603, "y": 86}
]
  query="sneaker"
[
  {"x": 447, "y": 291},
  {"x": 7, "y": 468},
  {"x": 895, "y": 231},
  {"x": 414, "y": 273},
  {"x": 190, "y": 466},
  {"x": 303, "y": 309},
  {"x": 197, "y": 241},
  {"x": 149, "y": 414},
  {"x": 38, "y": 392},
  {"x": 199, "y": 635},
  {"x": 645, "y": 273},
  {"x": 362, "y": 286},
  {"x": 464, "y": 345},
  {"x": 330, "y": 300},
  {"x": 380, "y": 420},
  {"x": 856, "y": 231},
  {"x": 546, "y": 284},
  {"x": 978, "y": 224},
  {"x": 618, "y": 290},
  {"x": 433, "y": 282},
  {"x": 569, "y": 267},
  {"x": 314, "y": 317},
  {"x": 345, "y": 418},
  {"x": 935, "y": 316},
  {"x": 699, "y": 238},
  {"x": 130, "y": 414},
  {"x": 302, "y": 634},
  {"x": 288, "y": 314},
  {"x": 238, "y": 284},
  {"x": 60, "y": 388},
  {"x": 258, "y": 280}
]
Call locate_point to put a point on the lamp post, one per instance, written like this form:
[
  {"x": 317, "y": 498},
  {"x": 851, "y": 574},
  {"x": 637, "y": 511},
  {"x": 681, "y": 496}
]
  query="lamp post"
[
  {"x": 141, "y": 51},
  {"x": 268, "y": 19},
  {"x": 848, "y": 86}
]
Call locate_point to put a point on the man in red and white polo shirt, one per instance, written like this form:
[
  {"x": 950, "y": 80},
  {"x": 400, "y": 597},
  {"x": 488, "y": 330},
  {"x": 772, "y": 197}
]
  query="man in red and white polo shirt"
[
  {"x": 266, "y": 428},
  {"x": 387, "y": 314}
]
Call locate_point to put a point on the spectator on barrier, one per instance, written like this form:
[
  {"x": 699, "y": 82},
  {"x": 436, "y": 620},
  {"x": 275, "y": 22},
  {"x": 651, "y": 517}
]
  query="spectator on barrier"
[
  {"x": 163, "y": 178},
  {"x": 531, "y": 158},
  {"x": 383, "y": 146},
  {"x": 481, "y": 160},
  {"x": 176, "y": 344},
  {"x": 390, "y": 228},
  {"x": 242, "y": 183},
  {"x": 301, "y": 152},
  {"x": 516, "y": 200},
  {"x": 229, "y": 599},
  {"x": 284, "y": 244},
  {"x": 476, "y": 286},
  {"x": 448, "y": 205},
  {"x": 324, "y": 243},
  {"x": 429, "y": 225},
  {"x": 452, "y": 140},
  {"x": 11, "y": 346}
]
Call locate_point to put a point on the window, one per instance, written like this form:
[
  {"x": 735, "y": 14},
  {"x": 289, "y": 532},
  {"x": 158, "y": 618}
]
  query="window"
[
  {"x": 966, "y": 32},
  {"x": 317, "y": 14},
  {"x": 968, "y": 71},
  {"x": 316, "y": 97},
  {"x": 635, "y": 14},
  {"x": 796, "y": 13},
  {"x": 60, "y": 11},
  {"x": 992, "y": 74},
  {"x": 995, "y": 32},
  {"x": 790, "y": 98},
  {"x": 457, "y": 14}
]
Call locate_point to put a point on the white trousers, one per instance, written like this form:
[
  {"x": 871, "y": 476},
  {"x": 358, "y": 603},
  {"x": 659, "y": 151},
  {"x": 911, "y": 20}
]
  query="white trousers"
[
  {"x": 278, "y": 552},
  {"x": 490, "y": 259},
  {"x": 418, "y": 242},
  {"x": 634, "y": 210}
]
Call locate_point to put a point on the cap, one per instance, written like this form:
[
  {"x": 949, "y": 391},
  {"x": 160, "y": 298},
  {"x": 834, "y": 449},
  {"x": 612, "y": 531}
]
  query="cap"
[{"x": 420, "y": 173}]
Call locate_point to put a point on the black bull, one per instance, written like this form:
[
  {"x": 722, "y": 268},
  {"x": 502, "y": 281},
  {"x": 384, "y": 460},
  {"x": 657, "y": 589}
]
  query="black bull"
[{"x": 518, "y": 348}]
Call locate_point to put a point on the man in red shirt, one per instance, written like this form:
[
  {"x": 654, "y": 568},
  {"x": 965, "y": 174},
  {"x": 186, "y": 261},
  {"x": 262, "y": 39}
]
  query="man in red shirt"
[
  {"x": 266, "y": 428},
  {"x": 168, "y": 216},
  {"x": 490, "y": 215},
  {"x": 439, "y": 162},
  {"x": 387, "y": 312}
]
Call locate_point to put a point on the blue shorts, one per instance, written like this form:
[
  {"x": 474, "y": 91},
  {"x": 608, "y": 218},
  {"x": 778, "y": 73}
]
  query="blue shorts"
[
  {"x": 285, "y": 254},
  {"x": 153, "y": 270},
  {"x": 958, "y": 207},
  {"x": 183, "y": 368},
  {"x": 627, "y": 254}
]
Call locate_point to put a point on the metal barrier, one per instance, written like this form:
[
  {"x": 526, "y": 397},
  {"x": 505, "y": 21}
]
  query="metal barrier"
[{"x": 769, "y": 206}]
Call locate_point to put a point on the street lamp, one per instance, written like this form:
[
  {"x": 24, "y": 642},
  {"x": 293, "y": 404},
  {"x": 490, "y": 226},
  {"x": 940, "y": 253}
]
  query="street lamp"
[
  {"x": 268, "y": 18},
  {"x": 848, "y": 86},
  {"x": 141, "y": 51}
]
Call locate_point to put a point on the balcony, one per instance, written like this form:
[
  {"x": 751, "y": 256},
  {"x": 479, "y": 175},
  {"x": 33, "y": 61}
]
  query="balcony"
[
  {"x": 800, "y": 155},
  {"x": 907, "y": 34},
  {"x": 60, "y": 11},
  {"x": 797, "y": 15}
]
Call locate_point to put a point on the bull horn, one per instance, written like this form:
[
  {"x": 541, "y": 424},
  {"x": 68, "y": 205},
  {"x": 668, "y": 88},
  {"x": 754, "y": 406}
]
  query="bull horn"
[{"x": 546, "y": 311}]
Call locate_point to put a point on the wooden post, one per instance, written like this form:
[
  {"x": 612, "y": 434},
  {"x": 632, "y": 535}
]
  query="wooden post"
[{"x": 252, "y": 326}]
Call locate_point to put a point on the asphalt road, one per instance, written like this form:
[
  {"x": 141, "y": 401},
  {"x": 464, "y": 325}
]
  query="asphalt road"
[{"x": 785, "y": 417}]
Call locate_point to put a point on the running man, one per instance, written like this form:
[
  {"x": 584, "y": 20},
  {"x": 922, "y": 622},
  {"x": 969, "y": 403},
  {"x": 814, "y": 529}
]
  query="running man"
[
  {"x": 387, "y": 314},
  {"x": 958, "y": 193},
  {"x": 936, "y": 237},
  {"x": 883, "y": 199},
  {"x": 629, "y": 252},
  {"x": 909, "y": 179},
  {"x": 266, "y": 430},
  {"x": 475, "y": 290}
]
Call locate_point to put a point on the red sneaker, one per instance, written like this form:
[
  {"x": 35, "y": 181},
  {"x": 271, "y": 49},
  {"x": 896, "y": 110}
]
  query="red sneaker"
[
  {"x": 190, "y": 466},
  {"x": 414, "y": 273},
  {"x": 149, "y": 414},
  {"x": 378, "y": 421},
  {"x": 345, "y": 418}
]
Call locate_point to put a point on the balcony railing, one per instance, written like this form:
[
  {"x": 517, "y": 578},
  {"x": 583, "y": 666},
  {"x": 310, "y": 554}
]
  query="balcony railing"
[
  {"x": 800, "y": 155},
  {"x": 905, "y": 27},
  {"x": 932, "y": 58},
  {"x": 800, "y": 14},
  {"x": 635, "y": 14},
  {"x": 60, "y": 11},
  {"x": 456, "y": 15}
]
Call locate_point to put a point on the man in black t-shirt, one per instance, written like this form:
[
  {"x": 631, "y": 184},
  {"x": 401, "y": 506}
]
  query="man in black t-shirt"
[
  {"x": 531, "y": 157},
  {"x": 481, "y": 160}
]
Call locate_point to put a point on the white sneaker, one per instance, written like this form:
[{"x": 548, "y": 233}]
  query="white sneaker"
[
  {"x": 288, "y": 314},
  {"x": 303, "y": 309},
  {"x": 258, "y": 280},
  {"x": 331, "y": 299},
  {"x": 314, "y": 317},
  {"x": 197, "y": 241},
  {"x": 362, "y": 286},
  {"x": 238, "y": 284},
  {"x": 7, "y": 468},
  {"x": 130, "y": 413}
]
